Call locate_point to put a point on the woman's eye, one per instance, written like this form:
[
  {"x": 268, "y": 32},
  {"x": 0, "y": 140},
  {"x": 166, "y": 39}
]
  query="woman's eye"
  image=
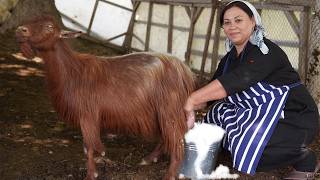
[
  {"x": 238, "y": 20},
  {"x": 226, "y": 23}
]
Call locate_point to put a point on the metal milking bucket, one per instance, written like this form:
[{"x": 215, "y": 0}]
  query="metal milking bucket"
[{"x": 200, "y": 159}]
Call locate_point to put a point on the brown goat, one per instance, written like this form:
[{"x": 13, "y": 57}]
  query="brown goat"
[{"x": 140, "y": 94}]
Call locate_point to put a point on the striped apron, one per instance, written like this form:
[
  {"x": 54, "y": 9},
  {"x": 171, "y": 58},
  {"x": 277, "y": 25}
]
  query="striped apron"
[{"x": 249, "y": 118}]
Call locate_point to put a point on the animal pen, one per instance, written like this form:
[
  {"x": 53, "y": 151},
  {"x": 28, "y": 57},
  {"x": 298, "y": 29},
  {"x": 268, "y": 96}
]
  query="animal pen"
[
  {"x": 190, "y": 30},
  {"x": 36, "y": 146}
]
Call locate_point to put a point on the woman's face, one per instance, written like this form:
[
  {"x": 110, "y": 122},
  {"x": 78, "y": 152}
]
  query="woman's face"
[{"x": 238, "y": 26}]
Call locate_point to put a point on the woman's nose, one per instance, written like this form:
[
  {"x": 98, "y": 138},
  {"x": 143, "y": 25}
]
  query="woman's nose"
[{"x": 232, "y": 25}]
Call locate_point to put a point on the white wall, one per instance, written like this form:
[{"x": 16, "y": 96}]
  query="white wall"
[{"x": 109, "y": 20}]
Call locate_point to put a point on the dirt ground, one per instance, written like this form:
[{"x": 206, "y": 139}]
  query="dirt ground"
[{"x": 35, "y": 144}]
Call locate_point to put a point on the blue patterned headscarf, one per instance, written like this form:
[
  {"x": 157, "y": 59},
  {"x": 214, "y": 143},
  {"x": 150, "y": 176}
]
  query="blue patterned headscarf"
[{"x": 256, "y": 37}]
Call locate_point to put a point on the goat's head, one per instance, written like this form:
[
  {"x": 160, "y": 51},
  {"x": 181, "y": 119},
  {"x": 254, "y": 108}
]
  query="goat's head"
[{"x": 40, "y": 33}]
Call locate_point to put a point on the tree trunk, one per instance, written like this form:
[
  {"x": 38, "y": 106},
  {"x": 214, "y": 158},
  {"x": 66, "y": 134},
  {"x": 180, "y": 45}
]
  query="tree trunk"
[
  {"x": 27, "y": 9},
  {"x": 313, "y": 80}
]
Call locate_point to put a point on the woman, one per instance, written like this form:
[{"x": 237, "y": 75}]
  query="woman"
[{"x": 268, "y": 115}]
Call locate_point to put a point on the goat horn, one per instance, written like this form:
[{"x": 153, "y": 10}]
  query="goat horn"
[{"x": 69, "y": 34}]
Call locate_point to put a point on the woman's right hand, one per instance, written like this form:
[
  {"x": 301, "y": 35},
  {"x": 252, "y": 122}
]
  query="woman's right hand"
[
  {"x": 190, "y": 114},
  {"x": 191, "y": 118}
]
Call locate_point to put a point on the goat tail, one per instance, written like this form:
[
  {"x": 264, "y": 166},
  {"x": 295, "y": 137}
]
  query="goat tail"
[
  {"x": 172, "y": 132},
  {"x": 171, "y": 115}
]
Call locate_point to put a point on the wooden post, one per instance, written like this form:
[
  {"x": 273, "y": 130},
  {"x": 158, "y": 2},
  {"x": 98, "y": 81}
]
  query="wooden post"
[
  {"x": 146, "y": 47},
  {"x": 216, "y": 41},
  {"x": 304, "y": 43},
  {"x": 208, "y": 37},
  {"x": 92, "y": 16},
  {"x": 129, "y": 34},
  {"x": 195, "y": 13},
  {"x": 293, "y": 21},
  {"x": 116, "y": 5},
  {"x": 170, "y": 29}
]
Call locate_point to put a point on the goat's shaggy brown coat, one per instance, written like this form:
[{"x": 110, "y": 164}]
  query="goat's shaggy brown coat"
[{"x": 140, "y": 94}]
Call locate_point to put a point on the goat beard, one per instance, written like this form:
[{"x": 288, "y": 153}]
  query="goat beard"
[{"x": 27, "y": 50}]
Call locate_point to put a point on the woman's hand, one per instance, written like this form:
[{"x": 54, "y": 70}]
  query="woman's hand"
[
  {"x": 191, "y": 118},
  {"x": 190, "y": 115},
  {"x": 199, "y": 98}
]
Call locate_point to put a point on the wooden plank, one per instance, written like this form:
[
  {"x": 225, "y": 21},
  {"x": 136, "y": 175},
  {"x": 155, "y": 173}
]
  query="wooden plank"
[
  {"x": 195, "y": 13},
  {"x": 309, "y": 3},
  {"x": 116, "y": 5},
  {"x": 73, "y": 21},
  {"x": 200, "y": 36},
  {"x": 188, "y": 11},
  {"x": 138, "y": 38},
  {"x": 147, "y": 43},
  {"x": 190, "y": 37},
  {"x": 207, "y": 41},
  {"x": 106, "y": 44},
  {"x": 184, "y": 3},
  {"x": 170, "y": 29},
  {"x": 207, "y": 3},
  {"x": 304, "y": 43},
  {"x": 115, "y": 37},
  {"x": 128, "y": 38},
  {"x": 275, "y": 6},
  {"x": 180, "y": 1},
  {"x": 216, "y": 41},
  {"x": 293, "y": 21},
  {"x": 92, "y": 16}
]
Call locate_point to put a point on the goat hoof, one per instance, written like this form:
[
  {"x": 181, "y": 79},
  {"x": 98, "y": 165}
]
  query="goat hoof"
[
  {"x": 155, "y": 160},
  {"x": 85, "y": 150},
  {"x": 143, "y": 162},
  {"x": 92, "y": 176},
  {"x": 103, "y": 154},
  {"x": 148, "y": 162},
  {"x": 95, "y": 175}
]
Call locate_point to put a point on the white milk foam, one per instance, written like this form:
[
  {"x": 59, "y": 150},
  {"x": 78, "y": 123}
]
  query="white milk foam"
[{"x": 203, "y": 135}]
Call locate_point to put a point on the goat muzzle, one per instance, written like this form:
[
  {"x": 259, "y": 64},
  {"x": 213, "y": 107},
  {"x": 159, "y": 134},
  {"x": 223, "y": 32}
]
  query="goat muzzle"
[{"x": 22, "y": 33}]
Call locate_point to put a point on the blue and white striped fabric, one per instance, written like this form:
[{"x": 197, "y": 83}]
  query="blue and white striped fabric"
[{"x": 249, "y": 118}]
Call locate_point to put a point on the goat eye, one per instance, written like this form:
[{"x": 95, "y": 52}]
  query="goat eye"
[{"x": 49, "y": 27}]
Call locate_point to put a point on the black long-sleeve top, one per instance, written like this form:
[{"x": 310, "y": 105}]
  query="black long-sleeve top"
[{"x": 274, "y": 68}]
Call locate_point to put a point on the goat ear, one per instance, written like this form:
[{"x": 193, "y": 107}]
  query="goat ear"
[
  {"x": 26, "y": 50},
  {"x": 69, "y": 34}
]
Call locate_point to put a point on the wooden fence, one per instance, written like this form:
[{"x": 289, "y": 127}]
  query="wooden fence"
[{"x": 300, "y": 23}]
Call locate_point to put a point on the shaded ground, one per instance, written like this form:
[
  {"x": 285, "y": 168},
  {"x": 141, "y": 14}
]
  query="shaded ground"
[{"x": 35, "y": 144}]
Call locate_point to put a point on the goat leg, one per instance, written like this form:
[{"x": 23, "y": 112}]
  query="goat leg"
[
  {"x": 91, "y": 171},
  {"x": 92, "y": 143},
  {"x": 153, "y": 156},
  {"x": 173, "y": 167}
]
